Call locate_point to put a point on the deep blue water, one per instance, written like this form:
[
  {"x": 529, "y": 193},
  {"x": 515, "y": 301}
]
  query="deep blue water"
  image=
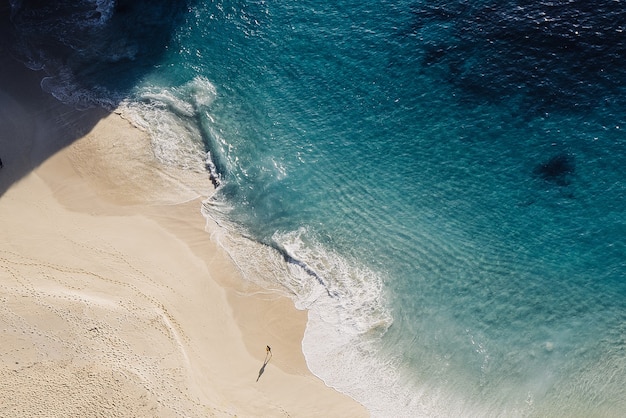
[{"x": 441, "y": 184}]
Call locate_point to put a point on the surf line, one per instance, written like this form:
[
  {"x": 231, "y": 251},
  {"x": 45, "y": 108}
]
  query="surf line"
[{"x": 288, "y": 258}]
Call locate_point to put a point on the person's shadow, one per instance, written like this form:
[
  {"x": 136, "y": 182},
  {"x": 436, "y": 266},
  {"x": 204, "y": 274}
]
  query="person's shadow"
[{"x": 268, "y": 357}]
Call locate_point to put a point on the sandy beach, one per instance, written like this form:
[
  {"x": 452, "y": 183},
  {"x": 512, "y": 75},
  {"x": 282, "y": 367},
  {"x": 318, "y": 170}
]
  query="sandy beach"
[{"x": 115, "y": 299}]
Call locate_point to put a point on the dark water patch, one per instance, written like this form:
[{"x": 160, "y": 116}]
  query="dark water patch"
[
  {"x": 92, "y": 52},
  {"x": 559, "y": 169},
  {"x": 556, "y": 56}
]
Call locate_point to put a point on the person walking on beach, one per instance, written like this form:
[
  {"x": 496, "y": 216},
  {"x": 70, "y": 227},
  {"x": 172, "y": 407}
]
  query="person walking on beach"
[{"x": 268, "y": 356}]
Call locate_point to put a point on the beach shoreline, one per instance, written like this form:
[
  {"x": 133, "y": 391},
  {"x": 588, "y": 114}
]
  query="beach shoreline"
[{"x": 116, "y": 299}]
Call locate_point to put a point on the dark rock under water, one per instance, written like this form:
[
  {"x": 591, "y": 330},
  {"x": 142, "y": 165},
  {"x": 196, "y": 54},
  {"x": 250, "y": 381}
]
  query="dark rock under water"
[{"x": 558, "y": 169}]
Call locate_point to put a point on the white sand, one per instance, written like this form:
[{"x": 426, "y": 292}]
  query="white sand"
[{"x": 114, "y": 300}]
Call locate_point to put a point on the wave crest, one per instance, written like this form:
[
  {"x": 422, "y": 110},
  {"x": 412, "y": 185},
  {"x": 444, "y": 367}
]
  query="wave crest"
[{"x": 172, "y": 116}]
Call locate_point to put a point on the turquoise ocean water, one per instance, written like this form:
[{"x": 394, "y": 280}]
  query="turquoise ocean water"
[{"x": 441, "y": 184}]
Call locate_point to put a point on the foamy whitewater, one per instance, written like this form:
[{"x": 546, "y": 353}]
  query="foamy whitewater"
[{"x": 442, "y": 185}]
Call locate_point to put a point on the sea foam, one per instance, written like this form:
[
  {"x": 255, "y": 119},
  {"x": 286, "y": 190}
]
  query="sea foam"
[{"x": 172, "y": 118}]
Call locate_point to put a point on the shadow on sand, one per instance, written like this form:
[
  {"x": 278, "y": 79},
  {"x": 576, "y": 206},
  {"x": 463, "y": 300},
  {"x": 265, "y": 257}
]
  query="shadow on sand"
[
  {"x": 268, "y": 357},
  {"x": 34, "y": 125}
]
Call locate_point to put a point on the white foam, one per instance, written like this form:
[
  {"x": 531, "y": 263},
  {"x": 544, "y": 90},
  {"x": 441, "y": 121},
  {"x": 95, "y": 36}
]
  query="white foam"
[
  {"x": 106, "y": 9},
  {"x": 201, "y": 91},
  {"x": 172, "y": 118},
  {"x": 353, "y": 296},
  {"x": 65, "y": 89},
  {"x": 348, "y": 316}
]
